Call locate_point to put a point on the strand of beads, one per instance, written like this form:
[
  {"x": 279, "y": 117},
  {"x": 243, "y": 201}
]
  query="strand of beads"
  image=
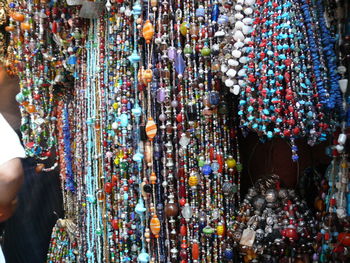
[{"x": 280, "y": 99}]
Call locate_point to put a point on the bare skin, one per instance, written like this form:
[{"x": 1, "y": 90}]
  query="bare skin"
[
  {"x": 11, "y": 178},
  {"x": 11, "y": 172}
]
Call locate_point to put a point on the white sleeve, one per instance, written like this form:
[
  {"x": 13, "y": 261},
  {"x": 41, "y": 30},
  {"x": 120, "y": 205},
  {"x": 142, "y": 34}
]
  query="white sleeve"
[{"x": 10, "y": 145}]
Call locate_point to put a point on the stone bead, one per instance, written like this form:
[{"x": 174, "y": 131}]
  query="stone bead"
[{"x": 171, "y": 210}]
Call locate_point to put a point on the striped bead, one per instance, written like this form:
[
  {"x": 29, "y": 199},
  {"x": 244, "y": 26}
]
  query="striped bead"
[
  {"x": 151, "y": 128},
  {"x": 155, "y": 226}
]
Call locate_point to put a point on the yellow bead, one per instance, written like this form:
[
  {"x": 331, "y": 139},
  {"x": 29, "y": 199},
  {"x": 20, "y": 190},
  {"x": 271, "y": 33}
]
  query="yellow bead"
[
  {"x": 344, "y": 165},
  {"x": 193, "y": 180},
  {"x": 116, "y": 161},
  {"x": 231, "y": 163},
  {"x": 115, "y": 105},
  {"x": 220, "y": 229},
  {"x": 184, "y": 28}
]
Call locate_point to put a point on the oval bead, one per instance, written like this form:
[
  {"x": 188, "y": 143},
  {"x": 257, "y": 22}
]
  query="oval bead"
[
  {"x": 155, "y": 226},
  {"x": 148, "y": 31},
  {"x": 151, "y": 128}
]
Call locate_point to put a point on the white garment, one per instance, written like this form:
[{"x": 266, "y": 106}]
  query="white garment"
[
  {"x": 10, "y": 145},
  {"x": 2, "y": 258},
  {"x": 10, "y": 148}
]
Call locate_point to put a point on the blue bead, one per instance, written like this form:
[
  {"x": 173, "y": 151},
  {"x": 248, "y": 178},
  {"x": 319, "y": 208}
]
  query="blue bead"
[{"x": 206, "y": 169}]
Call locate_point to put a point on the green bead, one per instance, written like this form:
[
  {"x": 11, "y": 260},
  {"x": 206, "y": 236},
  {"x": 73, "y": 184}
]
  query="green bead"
[
  {"x": 208, "y": 230},
  {"x": 201, "y": 162},
  {"x": 25, "y": 92},
  {"x": 124, "y": 165},
  {"x": 99, "y": 231},
  {"x": 187, "y": 50},
  {"x": 234, "y": 188},
  {"x": 205, "y": 51},
  {"x": 239, "y": 167},
  {"x": 24, "y": 127},
  {"x": 223, "y": 109}
]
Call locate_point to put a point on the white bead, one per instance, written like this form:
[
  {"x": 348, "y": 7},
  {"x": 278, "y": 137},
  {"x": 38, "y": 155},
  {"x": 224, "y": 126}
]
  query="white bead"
[
  {"x": 241, "y": 82},
  {"x": 220, "y": 33},
  {"x": 229, "y": 83},
  {"x": 238, "y": 44},
  {"x": 242, "y": 72},
  {"x": 343, "y": 83},
  {"x": 247, "y": 21},
  {"x": 249, "y": 2},
  {"x": 341, "y": 69},
  {"x": 232, "y": 19},
  {"x": 342, "y": 138},
  {"x": 241, "y": 2},
  {"x": 238, "y": 7},
  {"x": 231, "y": 73},
  {"x": 114, "y": 125},
  {"x": 239, "y": 16},
  {"x": 243, "y": 60},
  {"x": 236, "y": 89},
  {"x": 246, "y": 29},
  {"x": 239, "y": 25},
  {"x": 341, "y": 213},
  {"x": 339, "y": 148},
  {"x": 223, "y": 68},
  {"x": 238, "y": 36},
  {"x": 248, "y": 11},
  {"x": 233, "y": 63},
  {"x": 247, "y": 40},
  {"x": 236, "y": 53}
]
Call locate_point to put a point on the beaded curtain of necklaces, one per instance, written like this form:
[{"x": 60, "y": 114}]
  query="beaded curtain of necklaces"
[{"x": 135, "y": 101}]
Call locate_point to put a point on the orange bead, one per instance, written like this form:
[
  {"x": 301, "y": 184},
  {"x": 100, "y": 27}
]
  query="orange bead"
[
  {"x": 148, "y": 31},
  {"x": 148, "y": 152},
  {"x": 9, "y": 28},
  {"x": 155, "y": 226},
  {"x": 25, "y": 26},
  {"x": 39, "y": 167},
  {"x": 147, "y": 76},
  {"x": 154, "y": 3},
  {"x": 151, "y": 128},
  {"x": 100, "y": 196},
  {"x": 195, "y": 251},
  {"x": 25, "y": 103},
  {"x": 17, "y": 17},
  {"x": 31, "y": 109},
  {"x": 153, "y": 178}
]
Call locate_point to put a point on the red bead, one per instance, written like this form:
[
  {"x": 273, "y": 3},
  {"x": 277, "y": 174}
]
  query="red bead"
[
  {"x": 182, "y": 201},
  {"x": 344, "y": 238},
  {"x": 179, "y": 117},
  {"x": 108, "y": 188},
  {"x": 54, "y": 27},
  {"x": 195, "y": 251},
  {"x": 182, "y": 191},
  {"x": 115, "y": 224},
  {"x": 332, "y": 202},
  {"x": 183, "y": 255},
  {"x": 183, "y": 230},
  {"x": 286, "y": 133},
  {"x": 296, "y": 130},
  {"x": 326, "y": 236}
]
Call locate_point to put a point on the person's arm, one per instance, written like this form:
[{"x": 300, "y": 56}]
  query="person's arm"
[{"x": 11, "y": 178}]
